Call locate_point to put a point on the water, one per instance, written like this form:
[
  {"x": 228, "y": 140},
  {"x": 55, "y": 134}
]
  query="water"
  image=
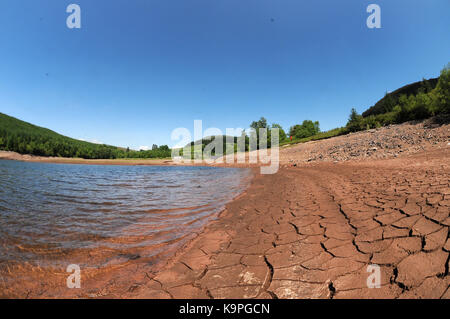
[{"x": 52, "y": 215}]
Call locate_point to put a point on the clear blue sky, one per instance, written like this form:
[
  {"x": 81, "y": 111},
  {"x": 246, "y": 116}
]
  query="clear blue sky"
[{"x": 138, "y": 69}]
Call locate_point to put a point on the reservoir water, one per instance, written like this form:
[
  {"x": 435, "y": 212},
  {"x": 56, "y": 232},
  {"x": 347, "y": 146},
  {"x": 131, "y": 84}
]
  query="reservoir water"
[{"x": 53, "y": 215}]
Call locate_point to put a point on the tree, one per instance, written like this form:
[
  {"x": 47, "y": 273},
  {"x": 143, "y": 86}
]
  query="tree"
[
  {"x": 306, "y": 129},
  {"x": 354, "y": 121},
  {"x": 257, "y": 125},
  {"x": 280, "y": 130},
  {"x": 388, "y": 103},
  {"x": 154, "y": 147},
  {"x": 442, "y": 91},
  {"x": 262, "y": 123}
]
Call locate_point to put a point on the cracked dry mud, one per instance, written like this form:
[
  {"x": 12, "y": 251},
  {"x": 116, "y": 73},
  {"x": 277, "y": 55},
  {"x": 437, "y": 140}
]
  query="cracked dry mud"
[{"x": 311, "y": 232}]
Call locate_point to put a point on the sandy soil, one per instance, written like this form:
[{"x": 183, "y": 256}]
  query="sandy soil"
[{"x": 311, "y": 230}]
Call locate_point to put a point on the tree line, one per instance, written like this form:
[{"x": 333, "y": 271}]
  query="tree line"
[
  {"x": 25, "y": 138},
  {"x": 230, "y": 143}
]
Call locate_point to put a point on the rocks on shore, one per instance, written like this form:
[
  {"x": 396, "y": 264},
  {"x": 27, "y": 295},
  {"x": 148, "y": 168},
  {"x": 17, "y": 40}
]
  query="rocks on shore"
[{"x": 381, "y": 143}]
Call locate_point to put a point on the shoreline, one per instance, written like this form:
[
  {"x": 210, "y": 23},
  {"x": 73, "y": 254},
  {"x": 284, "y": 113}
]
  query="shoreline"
[
  {"x": 50, "y": 281},
  {"x": 6, "y": 155},
  {"x": 13, "y": 156},
  {"x": 393, "y": 141}
]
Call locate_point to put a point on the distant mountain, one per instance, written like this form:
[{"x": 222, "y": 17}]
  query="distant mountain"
[{"x": 390, "y": 100}]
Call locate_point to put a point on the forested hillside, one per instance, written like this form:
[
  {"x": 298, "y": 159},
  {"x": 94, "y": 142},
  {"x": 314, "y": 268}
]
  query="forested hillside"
[
  {"x": 390, "y": 100},
  {"x": 416, "y": 101},
  {"x": 25, "y": 138}
]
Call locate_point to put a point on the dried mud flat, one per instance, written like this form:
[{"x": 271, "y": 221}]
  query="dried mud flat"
[
  {"x": 311, "y": 232},
  {"x": 312, "y": 229}
]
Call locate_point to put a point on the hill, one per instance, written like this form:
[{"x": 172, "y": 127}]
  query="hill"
[
  {"x": 25, "y": 138},
  {"x": 390, "y": 100},
  {"x": 416, "y": 101}
]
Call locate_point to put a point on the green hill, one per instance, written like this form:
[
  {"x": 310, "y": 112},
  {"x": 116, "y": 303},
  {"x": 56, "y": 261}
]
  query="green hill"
[
  {"x": 390, "y": 100},
  {"x": 25, "y": 138},
  {"x": 416, "y": 101}
]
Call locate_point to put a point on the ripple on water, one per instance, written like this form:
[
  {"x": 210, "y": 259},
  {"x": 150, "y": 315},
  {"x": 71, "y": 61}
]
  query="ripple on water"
[{"x": 58, "y": 214}]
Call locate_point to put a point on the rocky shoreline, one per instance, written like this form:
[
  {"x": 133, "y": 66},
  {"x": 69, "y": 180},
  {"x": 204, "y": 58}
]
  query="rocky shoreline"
[{"x": 385, "y": 142}]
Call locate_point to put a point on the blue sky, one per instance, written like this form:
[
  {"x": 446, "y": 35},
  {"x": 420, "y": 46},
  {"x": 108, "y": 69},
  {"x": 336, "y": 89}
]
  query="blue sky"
[{"x": 138, "y": 69}]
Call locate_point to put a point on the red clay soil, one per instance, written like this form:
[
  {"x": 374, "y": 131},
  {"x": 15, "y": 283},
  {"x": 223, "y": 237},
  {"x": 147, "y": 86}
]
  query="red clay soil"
[{"x": 311, "y": 232}]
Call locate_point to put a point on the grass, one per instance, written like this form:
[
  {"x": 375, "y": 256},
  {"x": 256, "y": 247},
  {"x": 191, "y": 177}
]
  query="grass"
[{"x": 320, "y": 136}]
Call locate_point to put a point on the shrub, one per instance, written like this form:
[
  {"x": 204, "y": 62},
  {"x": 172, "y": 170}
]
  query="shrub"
[
  {"x": 306, "y": 129},
  {"x": 355, "y": 121}
]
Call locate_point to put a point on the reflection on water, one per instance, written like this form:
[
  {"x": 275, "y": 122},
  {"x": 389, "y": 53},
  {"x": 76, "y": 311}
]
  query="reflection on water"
[{"x": 93, "y": 215}]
